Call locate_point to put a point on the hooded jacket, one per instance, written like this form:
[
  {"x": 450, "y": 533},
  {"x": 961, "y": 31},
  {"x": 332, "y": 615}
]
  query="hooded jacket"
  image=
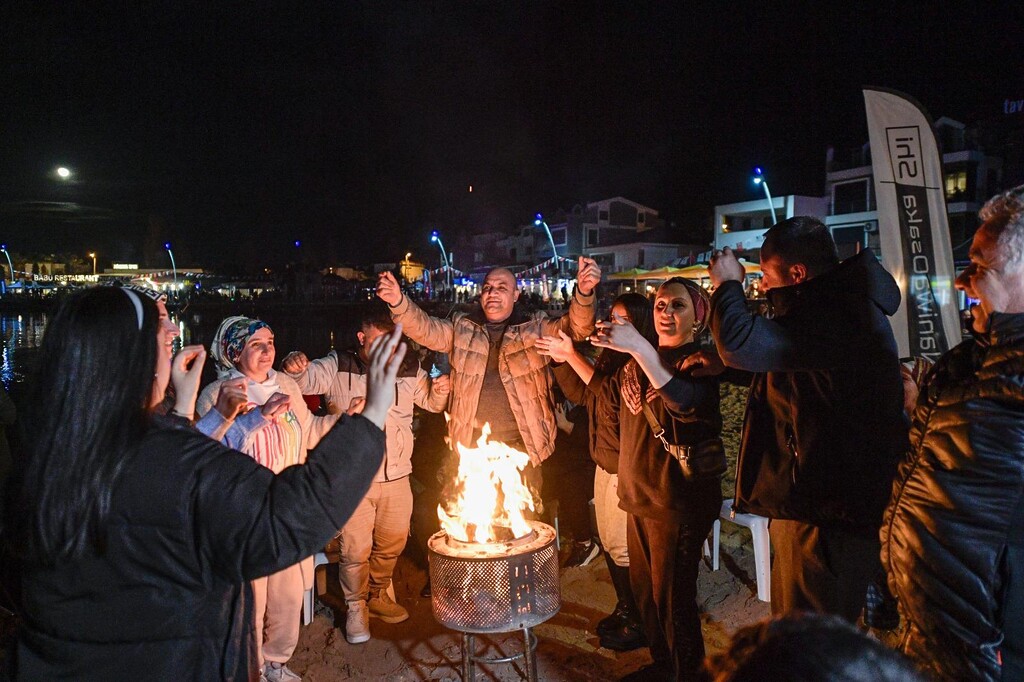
[
  {"x": 824, "y": 426},
  {"x": 191, "y": 522},
  {"x": 523, "y": 371},
  {"x": 953, "y": 537},
  {"x": 343, "y": 378}
]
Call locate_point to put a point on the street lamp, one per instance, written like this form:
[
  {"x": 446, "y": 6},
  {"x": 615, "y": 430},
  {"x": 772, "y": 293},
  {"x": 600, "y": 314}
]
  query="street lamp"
[
  {"x": 3, "y": 247},
  {"x": 539, "y": 222},
  {"x": 405, "y": 266},
  {"x": 92, "y": 255},
  {"x": 759, "y": 180},
  {"x": 435, "y": 237},
  {"x": 174, "y": 268}
]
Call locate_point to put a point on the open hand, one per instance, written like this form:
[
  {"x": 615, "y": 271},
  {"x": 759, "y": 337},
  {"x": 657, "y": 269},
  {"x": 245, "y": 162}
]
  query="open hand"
[
  {"x": 618, "y": 334},
  {"x": 385, "y": 358},
  {"x": 558, "y": 348}
]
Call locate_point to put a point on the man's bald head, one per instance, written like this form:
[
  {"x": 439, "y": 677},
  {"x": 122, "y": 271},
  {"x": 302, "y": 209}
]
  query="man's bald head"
[{"x": 499, "y": 294}]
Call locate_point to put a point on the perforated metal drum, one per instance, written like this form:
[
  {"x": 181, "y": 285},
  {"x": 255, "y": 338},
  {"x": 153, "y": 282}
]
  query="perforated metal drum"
[{"x": 495, "y": 587}]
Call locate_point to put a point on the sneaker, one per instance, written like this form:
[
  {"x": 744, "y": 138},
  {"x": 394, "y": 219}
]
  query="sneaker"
[
  {"x": 357, "y": 622},
  {"x": 271, "y": 673},
  {"x": 384, "y": 607},
  {"x": 582, "y": 553}
]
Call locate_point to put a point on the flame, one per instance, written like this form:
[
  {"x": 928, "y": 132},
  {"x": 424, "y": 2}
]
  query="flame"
[{"x": 490, "y": 493}]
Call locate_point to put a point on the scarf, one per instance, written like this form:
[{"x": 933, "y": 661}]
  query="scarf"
[{"x": 229, "y": 342}]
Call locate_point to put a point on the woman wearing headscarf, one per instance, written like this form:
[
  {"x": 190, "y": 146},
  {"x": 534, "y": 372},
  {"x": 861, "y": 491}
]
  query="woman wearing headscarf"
[
  {"x": 135, "y": 535},
  {"x": 671, "y": 510},
  {"x": 244, "y": 352}
]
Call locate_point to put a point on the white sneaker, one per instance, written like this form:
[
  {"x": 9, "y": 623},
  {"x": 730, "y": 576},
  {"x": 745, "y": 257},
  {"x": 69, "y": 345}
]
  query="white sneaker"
[
  {"x": 357, "y": 622},
  {"x": 282, "y": 674},
  {"x": 384, "y": 607}
]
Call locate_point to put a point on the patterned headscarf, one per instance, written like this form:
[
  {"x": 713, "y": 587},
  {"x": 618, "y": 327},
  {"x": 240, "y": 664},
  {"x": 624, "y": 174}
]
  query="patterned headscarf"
[
  {"x": 701, "y": 303},
  {"x": 230, "y": 339}
]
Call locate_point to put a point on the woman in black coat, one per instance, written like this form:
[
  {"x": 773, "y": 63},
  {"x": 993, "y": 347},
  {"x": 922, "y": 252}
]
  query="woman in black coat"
[
  {"x": 670, "y": 513},
  {"x": 137, "y": 535}
]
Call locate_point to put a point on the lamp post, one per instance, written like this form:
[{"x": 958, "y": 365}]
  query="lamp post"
[
  {"x": 759, "y": 180},
  {"x": 405, "y": 266},
  {"x": 174, "y": 268},
  {"x": 435, "y": 237},
  {"x": 92, "y": 254},
  {"x": 3, "y": 247}
]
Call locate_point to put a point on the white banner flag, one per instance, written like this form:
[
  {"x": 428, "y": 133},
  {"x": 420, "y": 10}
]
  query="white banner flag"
[{"x": 912, "y": 223}]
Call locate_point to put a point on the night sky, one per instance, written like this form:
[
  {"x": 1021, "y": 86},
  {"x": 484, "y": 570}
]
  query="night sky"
[{"x": 358, "y": 127}]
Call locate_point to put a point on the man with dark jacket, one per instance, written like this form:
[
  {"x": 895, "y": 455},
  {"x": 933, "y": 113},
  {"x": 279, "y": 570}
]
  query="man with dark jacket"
[
  {"x": 824, "y": 427},
  {"x": 953, "y": 537}
]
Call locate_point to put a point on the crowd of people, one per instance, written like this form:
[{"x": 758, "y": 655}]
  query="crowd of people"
[{"x": 163, "y": 531}]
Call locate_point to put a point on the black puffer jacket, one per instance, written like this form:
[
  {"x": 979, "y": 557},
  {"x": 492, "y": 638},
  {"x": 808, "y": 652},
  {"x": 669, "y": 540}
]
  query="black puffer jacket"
[
  {"x": 824, "y": 427},
  {"x": 953, "y": 537},
  {"x": 190, "y": 523}
]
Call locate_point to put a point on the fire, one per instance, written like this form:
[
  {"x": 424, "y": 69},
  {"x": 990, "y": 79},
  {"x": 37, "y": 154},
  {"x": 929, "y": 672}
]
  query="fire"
[{"x": 490, "y": 495}]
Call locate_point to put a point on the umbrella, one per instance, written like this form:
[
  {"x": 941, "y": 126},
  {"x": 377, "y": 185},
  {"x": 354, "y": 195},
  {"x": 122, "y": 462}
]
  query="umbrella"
[{"x": 632, "y": 273}]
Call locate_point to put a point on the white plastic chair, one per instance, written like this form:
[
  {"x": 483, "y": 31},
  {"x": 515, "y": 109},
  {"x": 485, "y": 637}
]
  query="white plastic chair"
[
  {"x": 758, "y": 526},
  {"x": 319, "y": 559}
]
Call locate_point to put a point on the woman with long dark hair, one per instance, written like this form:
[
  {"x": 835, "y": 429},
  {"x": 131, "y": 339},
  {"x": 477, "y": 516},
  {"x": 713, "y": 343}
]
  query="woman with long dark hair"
[
  {"x": 582, "y": 382},
  {"x": 136, "y": 534},
  {"x": 672, "y": 501}
]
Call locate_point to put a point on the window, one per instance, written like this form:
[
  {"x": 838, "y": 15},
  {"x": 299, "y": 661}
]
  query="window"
[
  {"x": 956, "y": 186},
  {"x": 850, "y": 197},
  {"x": 593, "y": 236},
  {"x": 512, "y": 255},
  {"x": 641, "y": 218},
  {"x": 558, "y": 236},
  {"x": 602, "y": 216}
]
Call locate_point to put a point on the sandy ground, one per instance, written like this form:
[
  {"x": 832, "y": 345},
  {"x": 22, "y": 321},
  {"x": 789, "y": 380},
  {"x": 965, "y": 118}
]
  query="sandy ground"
[{"x": 568, "y": 649}]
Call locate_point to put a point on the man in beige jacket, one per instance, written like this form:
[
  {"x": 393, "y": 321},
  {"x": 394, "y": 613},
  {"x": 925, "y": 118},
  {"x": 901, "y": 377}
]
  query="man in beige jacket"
[{"x": 498, "y": 377}]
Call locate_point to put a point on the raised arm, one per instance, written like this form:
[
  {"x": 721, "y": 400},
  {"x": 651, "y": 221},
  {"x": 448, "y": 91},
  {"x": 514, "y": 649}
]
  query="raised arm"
[
  {"x": 579, "y": 321},
  {"x": 255, "y": 523},
  {"x": 312, "y": 377},
  {"x": 432, "y": 332}
]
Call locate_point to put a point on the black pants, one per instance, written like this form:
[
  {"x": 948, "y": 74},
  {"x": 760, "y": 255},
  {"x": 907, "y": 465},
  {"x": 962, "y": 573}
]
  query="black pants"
[
  {"x": 821, "y": 569},
  {"x": 663, "y": 560}
]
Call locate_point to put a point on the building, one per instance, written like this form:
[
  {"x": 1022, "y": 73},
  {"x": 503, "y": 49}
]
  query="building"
[{"x": 849, "y": 206}]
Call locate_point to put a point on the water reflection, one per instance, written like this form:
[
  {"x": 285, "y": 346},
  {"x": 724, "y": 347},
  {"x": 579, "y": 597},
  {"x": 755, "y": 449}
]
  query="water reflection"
[{"x": 311, "y": 332}]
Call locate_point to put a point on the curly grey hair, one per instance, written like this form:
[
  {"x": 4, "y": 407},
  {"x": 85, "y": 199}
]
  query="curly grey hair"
[{"x": 1006, "y": 212}]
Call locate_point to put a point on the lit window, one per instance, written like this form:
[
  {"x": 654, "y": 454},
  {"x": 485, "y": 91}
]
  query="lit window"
[{"x": 956, "y": 184}]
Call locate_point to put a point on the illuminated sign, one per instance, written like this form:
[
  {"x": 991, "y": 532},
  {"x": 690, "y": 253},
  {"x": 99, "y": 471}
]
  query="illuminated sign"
[{"x": 126, "y": 266}]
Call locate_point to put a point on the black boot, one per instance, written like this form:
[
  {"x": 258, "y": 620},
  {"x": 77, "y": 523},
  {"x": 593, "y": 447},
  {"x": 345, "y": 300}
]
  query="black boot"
[
  {"x": 614, "y": 620},
  {"x": 629, "y": 634}
]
